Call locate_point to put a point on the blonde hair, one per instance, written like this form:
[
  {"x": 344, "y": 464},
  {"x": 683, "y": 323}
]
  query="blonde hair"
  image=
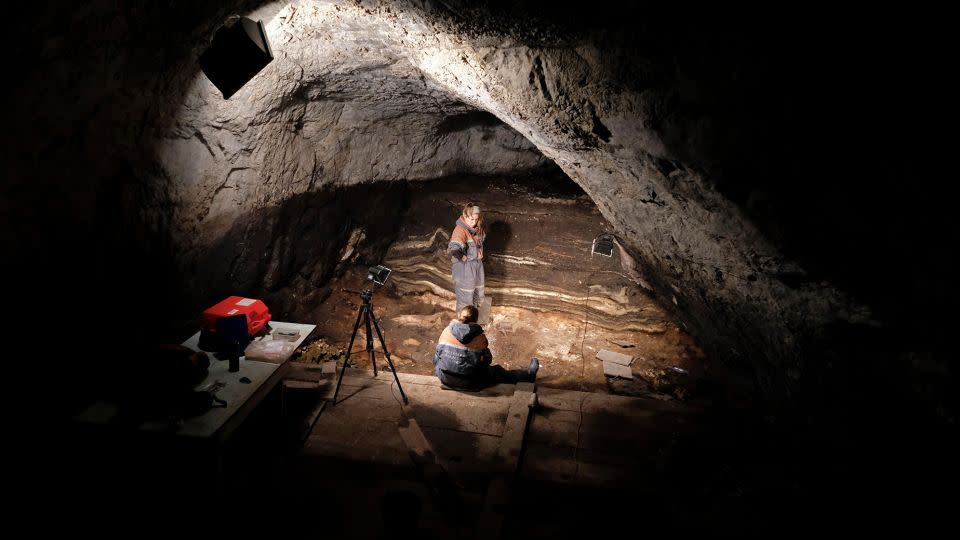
[
  {"x": 468, "y": 211},
  {"x": 468, "y": 314}
]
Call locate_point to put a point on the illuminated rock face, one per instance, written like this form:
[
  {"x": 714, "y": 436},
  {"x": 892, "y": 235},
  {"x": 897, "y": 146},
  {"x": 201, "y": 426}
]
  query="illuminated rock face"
[
  {"x": 390, "y": 91},
  {"x": 685, "y": 130}
]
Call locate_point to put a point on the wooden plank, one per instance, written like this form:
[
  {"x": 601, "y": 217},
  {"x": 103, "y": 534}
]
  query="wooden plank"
[
  {"x": 350, "y": 424},
  {"x": 624, "y": 443},
  {"x": 372, "y": 389},
  {"x": 549, "y": 463},
  {"x": 304, "y": 372},
  {"x": 572, "y": 400},
  {"x": 495, "y": 505},
  {"x": 500, "y": 490},
  {"x": 605, "y": 475},
  {"x": 434, "y": 396},
  {"x": 514, "y": 430},
  {"x": 413, "y": 438},
  {"x": 652, "y": 423},
  {"x": 619, "y": 456},
  {"x": 247, "y": 407},
  {"x": 561, "y": 464},
  {"x": 386, "y": 374},
  {"x": 568, "y": 428},
  {"x": 312, "y": 419},
  {"x": 485, "y": 418},
  {"x": 294, "y": 384},
  {"x": 467, "y": 457},
  {"x": 443, "y": 488},
  {"x": 497, "y": 391},
  {"x": 566, "y": 400},
  {"x": 630, "y": 406},
  {"x": 367, "y": 388},
  {"x": 326, "y": 389},
  {"x": 313, "y": 372},
  {"x": 413, "y": 385},
  {"x": 342, "y": 416},
  {"x": 387, "y": 389},
  {"x": 525, "y": 387},
  {"x": 376, "y": 442},
  {"x": 429, "y": 380},
  {"x": 555, "y": 427}
]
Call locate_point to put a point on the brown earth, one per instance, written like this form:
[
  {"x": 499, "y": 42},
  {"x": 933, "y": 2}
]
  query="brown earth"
[{"x": 550, "y": 297}]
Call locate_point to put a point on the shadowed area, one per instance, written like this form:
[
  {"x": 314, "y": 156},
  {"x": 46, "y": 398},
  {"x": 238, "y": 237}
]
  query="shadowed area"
[{"x": 782, "y": 279}]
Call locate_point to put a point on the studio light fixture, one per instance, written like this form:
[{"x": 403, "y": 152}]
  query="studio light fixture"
[
  {"x": 602, "y": 245},
  {"x": 378, "y": 274},
  {"x": 238, "y": 52}
]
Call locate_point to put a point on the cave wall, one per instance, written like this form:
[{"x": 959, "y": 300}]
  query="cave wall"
[
  {"x": 752, "y": 167},
  {"x": 89, "y": 232},
  {"x": 719, "y": 149}
]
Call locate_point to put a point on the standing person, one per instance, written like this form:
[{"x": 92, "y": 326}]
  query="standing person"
[
  {"x": 463, "y": 356},
  {"x": 466, "y": 249}
]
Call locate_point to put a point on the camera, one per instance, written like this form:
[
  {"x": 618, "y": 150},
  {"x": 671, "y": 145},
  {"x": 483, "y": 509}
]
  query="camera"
[{"x": 378, "y": 274}]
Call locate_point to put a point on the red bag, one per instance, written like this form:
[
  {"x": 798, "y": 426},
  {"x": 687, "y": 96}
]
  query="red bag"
[{"x": 255, "y": 310}]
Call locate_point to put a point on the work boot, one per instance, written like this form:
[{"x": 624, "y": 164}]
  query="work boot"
[{"x": 532, "y": 370}]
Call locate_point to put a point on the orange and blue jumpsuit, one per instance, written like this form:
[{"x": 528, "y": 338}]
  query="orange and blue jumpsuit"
[
  {"x": 463, "y": 358},
  {"x": 468, "y": 278}
]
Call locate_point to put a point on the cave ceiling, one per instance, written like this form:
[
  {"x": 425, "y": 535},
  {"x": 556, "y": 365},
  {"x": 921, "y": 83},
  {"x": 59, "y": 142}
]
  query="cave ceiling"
[{"x": 668, "y": 120}]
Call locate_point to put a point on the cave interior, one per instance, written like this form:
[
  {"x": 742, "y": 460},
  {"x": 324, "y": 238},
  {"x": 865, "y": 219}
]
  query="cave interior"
[{"x": 770, "y": 179}]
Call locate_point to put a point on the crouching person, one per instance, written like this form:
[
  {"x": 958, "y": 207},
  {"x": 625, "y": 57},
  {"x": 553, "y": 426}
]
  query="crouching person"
[{"x": 463, "y": 358}]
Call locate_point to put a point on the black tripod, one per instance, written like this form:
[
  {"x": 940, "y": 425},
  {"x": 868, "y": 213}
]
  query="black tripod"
[{"x": 366, "y": 312}]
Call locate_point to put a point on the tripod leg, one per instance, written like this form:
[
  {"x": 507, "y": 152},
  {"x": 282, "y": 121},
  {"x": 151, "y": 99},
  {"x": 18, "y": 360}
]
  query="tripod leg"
[
  {"x": 389, "y": 361},
  {"x": 346, "y": 355},
  {"x": 366, "y": 321}
]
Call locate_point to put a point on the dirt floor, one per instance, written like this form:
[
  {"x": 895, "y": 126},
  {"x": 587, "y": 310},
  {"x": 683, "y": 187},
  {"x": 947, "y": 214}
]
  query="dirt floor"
[{"x": 566, "y": 347}]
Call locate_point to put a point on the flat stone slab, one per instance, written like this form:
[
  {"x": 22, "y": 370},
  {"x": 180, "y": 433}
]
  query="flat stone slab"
[
  {"x": 615, "y": 357},
  {"x": 613, "y": 369}
]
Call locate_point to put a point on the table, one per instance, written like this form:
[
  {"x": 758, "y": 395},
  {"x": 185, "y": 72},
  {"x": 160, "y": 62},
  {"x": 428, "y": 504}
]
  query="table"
[
  {"x": 213, "y": 429},
  {"x": 304, "y": 329},
  {"x": 242, "y": 398}
]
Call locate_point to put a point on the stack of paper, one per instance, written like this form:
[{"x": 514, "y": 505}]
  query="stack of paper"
[{"x": 282, "y": 334}]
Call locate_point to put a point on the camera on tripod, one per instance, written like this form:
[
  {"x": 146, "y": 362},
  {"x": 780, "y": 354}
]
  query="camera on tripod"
[{"x": 378, "y": 274}]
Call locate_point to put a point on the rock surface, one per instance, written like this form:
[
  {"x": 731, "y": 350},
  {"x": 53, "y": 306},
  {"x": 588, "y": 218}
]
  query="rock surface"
[
  {"x": 550, "y": 297},
  {"x": 746, "y": 170}
]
